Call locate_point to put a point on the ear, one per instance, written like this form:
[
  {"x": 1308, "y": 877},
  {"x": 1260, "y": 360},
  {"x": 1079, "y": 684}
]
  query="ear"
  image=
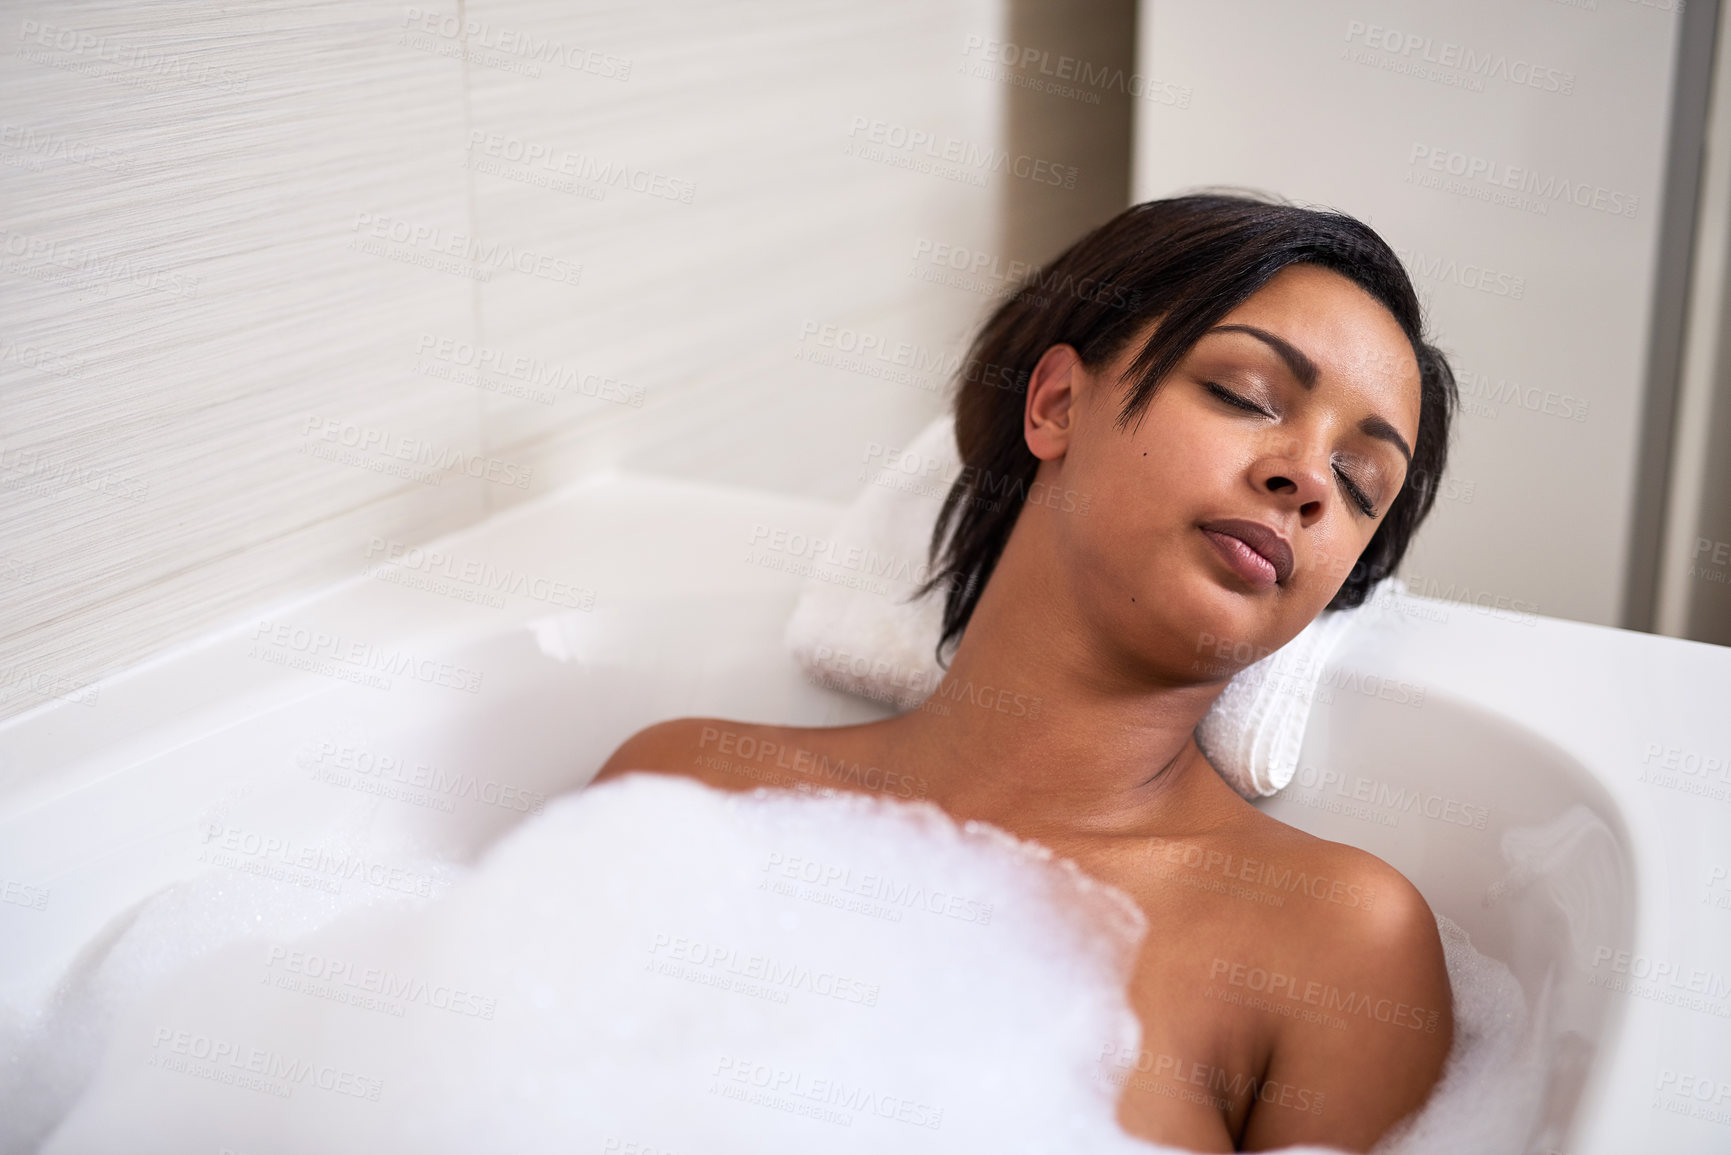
[{"x": 1052, "y": 392}]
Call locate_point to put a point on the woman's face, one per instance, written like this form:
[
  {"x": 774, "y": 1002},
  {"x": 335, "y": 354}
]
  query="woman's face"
[{"x": 1222, "y": 522}]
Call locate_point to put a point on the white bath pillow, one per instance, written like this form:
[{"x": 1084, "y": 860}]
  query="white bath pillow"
[{"x": 853, "y": 629}]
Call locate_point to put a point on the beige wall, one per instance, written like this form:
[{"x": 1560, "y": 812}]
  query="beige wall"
[
  {"x": 1543, "y": 305},
  {"x": 1075, "y": 70}
]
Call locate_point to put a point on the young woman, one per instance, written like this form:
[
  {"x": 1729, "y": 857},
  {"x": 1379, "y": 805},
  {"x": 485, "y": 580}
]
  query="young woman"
[{"x": 1221, "y": 418}]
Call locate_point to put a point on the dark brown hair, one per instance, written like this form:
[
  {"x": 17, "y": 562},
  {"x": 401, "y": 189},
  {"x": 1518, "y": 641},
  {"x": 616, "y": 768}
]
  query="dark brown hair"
[{"x": 1188, "y": 260}]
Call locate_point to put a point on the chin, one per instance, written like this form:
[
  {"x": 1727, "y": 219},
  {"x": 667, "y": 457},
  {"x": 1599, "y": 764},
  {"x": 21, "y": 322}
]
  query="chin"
[
  {"x": 1229, "y": 629},
  {"x": 1191, "y": 621}
]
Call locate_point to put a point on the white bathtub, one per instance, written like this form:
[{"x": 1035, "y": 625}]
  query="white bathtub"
[{"x": 1559, "y": 790}]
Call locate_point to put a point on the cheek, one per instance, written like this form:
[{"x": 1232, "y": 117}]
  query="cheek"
[
  {"x": 1162, "y": 472},
  {"x": 1333, "y": 554},
  {"x": 1145, "y": 488},
  {"x": 1334, "y": 558}
]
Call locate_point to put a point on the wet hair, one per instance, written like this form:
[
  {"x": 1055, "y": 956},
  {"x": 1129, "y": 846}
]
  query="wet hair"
[{"x": 1189, "y": 261}]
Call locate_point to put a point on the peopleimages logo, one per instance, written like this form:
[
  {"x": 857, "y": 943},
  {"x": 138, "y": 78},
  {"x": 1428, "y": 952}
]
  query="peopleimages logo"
[
  {"x": 1468, "y": 275},
  {"x": 1446, "y": 54},
  {"x": 282, "y": 642},
  {"x": 917, "y": 148},
  {"x": 88, "y": 265},
  {"x": 39, "y": 145},
  {"x": 135, "y": 64},
  {"x": 441, "y": 242},
  {"x": 982, "y": 272},
  {"x": 799, "y": 1093},
  {"x": 1661, "y": 980},
  {"x": 578, "y": 166},
  {"x": 480, "y": 37},
  {"x": 1061, "y": 68},
  {"x": 1473, "y": 383},
  {"x": 386, "y": 446},
  {"x": 880, "y": 888},
  {"x": 477, "y": 572},
  {"x": 254, "y": 1068},
  {"x": 468, "y": 363},
  {"x": 1520, "y": 187}
]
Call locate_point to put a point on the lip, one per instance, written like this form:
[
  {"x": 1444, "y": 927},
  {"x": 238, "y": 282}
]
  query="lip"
[{"x": 1257, "y": 553}]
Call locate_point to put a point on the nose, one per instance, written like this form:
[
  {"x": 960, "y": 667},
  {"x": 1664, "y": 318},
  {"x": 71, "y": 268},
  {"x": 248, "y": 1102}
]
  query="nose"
[{"x": 1300, "y": 479}]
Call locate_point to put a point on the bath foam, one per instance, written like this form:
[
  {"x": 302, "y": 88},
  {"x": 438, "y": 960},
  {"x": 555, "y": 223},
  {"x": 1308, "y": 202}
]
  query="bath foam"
[
  {"x": 652, "y": 965},
  {"x": 48, "y": 1054},
  {"x": 1493, "y": 1085}
]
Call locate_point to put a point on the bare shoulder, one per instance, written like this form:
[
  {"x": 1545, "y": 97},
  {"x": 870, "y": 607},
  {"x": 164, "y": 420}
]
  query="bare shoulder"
[
  {"x": 1306, "y": 977},
  {"x": 668, "y": 747},
  {"x": 1364, "y": 1010},
  {"x": 1354, "y": 916},
  {"x": 742, "y": 756},
  {"x": 1363, "y": 901}
]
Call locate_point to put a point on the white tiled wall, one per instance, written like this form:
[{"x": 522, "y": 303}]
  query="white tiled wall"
[{"x": 253, "y": 256}]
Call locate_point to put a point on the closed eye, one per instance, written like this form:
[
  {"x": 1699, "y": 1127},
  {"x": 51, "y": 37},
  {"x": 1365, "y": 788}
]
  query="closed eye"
[
  {"x": 1235, "y": 400},
  {"x": 1356, "y": 494}
]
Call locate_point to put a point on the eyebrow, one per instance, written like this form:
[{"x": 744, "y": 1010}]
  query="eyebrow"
[
  {"x": 1302, "y": 366},
  {"x": 1374, "y": 426},
  {"x": 1304, "y": 369}
]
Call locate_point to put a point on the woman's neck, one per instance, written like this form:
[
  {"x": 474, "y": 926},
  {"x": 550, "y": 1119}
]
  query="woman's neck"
[{"x": 1035, "y": 730}]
